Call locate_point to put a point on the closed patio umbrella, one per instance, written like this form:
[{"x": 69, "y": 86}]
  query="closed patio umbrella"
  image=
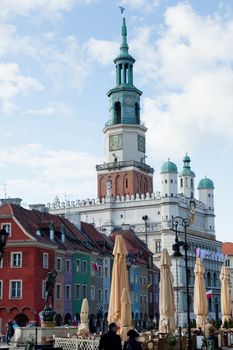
[
  {"x": 126, "y": 317},
  {"x": 200, "y": 299},
  {"x": 166, "y": 302},
  {"x": 225, "y": 294},
  {"x": 83, "y": 329},
  {"x": 119, "y": 303}
]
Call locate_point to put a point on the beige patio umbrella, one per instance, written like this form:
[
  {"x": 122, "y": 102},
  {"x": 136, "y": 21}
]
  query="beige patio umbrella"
[
  {"x": 166, "y": 303},
  {"x": 83, "y": 329},
  {"x": 225, "y": 294},
  {"x": 200, "y": 299},
  {"x": 117, "y": 304},
  {"x": 126, "y": 317}
]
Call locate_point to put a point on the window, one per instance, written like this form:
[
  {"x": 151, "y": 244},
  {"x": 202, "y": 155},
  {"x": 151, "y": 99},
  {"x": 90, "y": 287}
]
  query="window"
[
  {"x": 191, "y": 183},
  {"x": 145, "y": 281},
  {"x": 136, "y": 298},
  {"x": 16, "y": 259},
  {"x": 77, "y": 291},
  {"x": 106, "y": 271},
  {"x": 141, "y": 299},
  {"x": 151, "y": 297},
  {"x": 181, "y": 183},
  {"x": 100, "y": 271},
  {"x": 93, "y": 267},
  {"x": 157, "y": 246},
  {"x": 59, "y": 261},
  {"x": 186, "y": 182},
  {"x": 171, "y": 181},
  {"x": 227, "y": 262},
  {"x": 136, "y": 279},
  {"x": 68, "y": 265},
  {"x": 99, "y": 295},
  {"x": 105, "y": 295},
  {"x": 1, "y": 263},
  {"x": 158, "y": 213},
  {"x": 209, "y": 195},
  {"x": 58, "y": 291},
  {"x": 45, "y": 260},
  {"x": 78, "y": 265},
  {"x": 165, "y": 181},
  {"x": 141, "y": 280},
  {"x": 156, "y": 298},
  {"x": 209, "y": 280},
  {"x": 15, "y": 289},
  {"x": 51, "y": 234},
  {"x": 126, "y": 183},
  {"x": 1, "y": 289},
  {"x": 171, "y": 194},
  {"x": 92, "y": 292},
  {"x": 145, "y": 299},
  {"x": 68, "y": 291},
  {"x": 117, "y": 113},
  {"x": 7, "y": 227},
  {"x": 43, "y": 290},
  {"x": 210, "y": 305},
  {"x": 84, "y": 266},
  {"x": 84, "y": 291}
]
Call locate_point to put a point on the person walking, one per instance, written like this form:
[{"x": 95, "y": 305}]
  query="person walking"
[
  {"x": 9, "y": 331},
  {"x": 111, "y": 340},
  {"x": 132, "y": 343}
]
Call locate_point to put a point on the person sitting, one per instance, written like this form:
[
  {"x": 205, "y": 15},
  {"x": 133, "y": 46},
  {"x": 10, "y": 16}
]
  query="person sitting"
[
  {"x": 132, "y": 343},
  {"x": 111, "y": 340}
]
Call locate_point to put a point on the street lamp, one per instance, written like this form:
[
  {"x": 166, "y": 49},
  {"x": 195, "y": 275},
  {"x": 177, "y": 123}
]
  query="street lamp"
[
  {"x": 3, "y": 239},
  {"x": 145, "y": 218},
  {"x": 176, "y": 222}
]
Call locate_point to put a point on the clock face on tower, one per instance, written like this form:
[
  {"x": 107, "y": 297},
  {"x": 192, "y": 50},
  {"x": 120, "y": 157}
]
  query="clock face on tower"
[
  {"x": 115, "y": 142},
  {"x": 141, "y": 143}
]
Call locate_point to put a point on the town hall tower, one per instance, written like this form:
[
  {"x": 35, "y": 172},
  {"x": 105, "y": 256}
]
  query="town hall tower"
[{"x": 124, "y": 171}]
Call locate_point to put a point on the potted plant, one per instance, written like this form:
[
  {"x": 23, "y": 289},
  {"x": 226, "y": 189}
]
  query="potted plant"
[
  {"x": 171, "y": 340},
  {"x": 204, "y": 343}
]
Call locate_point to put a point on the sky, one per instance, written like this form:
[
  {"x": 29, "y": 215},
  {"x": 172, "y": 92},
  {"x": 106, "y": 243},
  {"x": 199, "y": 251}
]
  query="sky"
[{"x": 56, "y": 66}]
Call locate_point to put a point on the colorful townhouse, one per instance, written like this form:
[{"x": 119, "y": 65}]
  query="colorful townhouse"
[{"x": 82, "y": 257}]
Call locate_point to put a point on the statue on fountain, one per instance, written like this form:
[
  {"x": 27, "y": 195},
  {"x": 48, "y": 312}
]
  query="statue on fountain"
[{"x": 48, "y": 313}]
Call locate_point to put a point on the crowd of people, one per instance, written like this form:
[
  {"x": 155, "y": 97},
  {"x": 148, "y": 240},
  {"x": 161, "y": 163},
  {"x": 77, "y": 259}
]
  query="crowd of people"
[{"x": 111, "y": 340}]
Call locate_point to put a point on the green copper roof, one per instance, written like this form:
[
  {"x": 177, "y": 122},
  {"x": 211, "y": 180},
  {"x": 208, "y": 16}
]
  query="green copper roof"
[
  {"x": 206, "y": 183},
  {"x": 124, "y": 48},
  {"x": 186, "y": 171},
  {"x": 169, "y": 167}
]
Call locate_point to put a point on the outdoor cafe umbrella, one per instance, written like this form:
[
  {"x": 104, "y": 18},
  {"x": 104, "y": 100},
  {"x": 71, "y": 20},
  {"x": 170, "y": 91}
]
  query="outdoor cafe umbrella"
[
  {"x": 200, "y": 298},
  {"x": 126, "y": 317},
  {"x": 119, "y": 282},
  {"x": 83, "y": 329},
  {"x": 225, "y": 295},
  {"x": 166, "y": 303}
]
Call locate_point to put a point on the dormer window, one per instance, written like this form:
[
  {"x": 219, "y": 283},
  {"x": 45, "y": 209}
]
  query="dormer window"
[
  {"x": 51, "y": 234},
  {"x": 63, "y": 237},
  {"x": 38, "y": 233}
]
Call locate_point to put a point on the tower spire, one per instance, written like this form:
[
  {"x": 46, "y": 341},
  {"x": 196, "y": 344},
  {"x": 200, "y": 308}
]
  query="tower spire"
[{"x": 124, "y": 46}]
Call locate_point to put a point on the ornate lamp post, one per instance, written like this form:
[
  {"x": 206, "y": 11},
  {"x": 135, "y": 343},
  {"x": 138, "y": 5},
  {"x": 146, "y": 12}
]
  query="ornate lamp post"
[
  {"x": 3, "y": 239},
  {"x": 176, "y": 222},
  {"x": 145, "y": 218}
]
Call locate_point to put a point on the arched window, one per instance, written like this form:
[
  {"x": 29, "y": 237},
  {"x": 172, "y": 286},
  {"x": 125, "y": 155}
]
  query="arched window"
[
  {"x": 189, "y": 277},
  {"x": 181, "y": 183},
  {"x": 126, "y": 183},
  {"x": 191, "y": 183},
  {"x": 209, "y": 279},
  {"x": 117, "y": 113},
  {"x": 215, "y": 279},
  {"x": 137, "y": 113}
]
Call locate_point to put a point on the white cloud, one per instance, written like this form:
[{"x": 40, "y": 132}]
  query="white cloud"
[
  {"x": 12, "y": 83},
  {"x": 189, "y": 73},
  {"x": 102, "y": 51},
  {"x": 144, "y": 5},
  {"x": 38, "y": 7},
  {"x": 48, "y": 172},
  {"x": 50, "y": 109}
]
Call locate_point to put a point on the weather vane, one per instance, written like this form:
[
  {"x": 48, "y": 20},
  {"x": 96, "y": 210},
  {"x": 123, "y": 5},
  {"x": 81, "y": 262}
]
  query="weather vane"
[{"x": 122, "y": 9}]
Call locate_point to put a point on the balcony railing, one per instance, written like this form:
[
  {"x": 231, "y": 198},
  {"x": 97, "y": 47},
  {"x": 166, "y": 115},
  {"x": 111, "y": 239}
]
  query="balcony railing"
[
  {"x": 125, "y": 164},
  {"x": 125, "y": 121}
]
